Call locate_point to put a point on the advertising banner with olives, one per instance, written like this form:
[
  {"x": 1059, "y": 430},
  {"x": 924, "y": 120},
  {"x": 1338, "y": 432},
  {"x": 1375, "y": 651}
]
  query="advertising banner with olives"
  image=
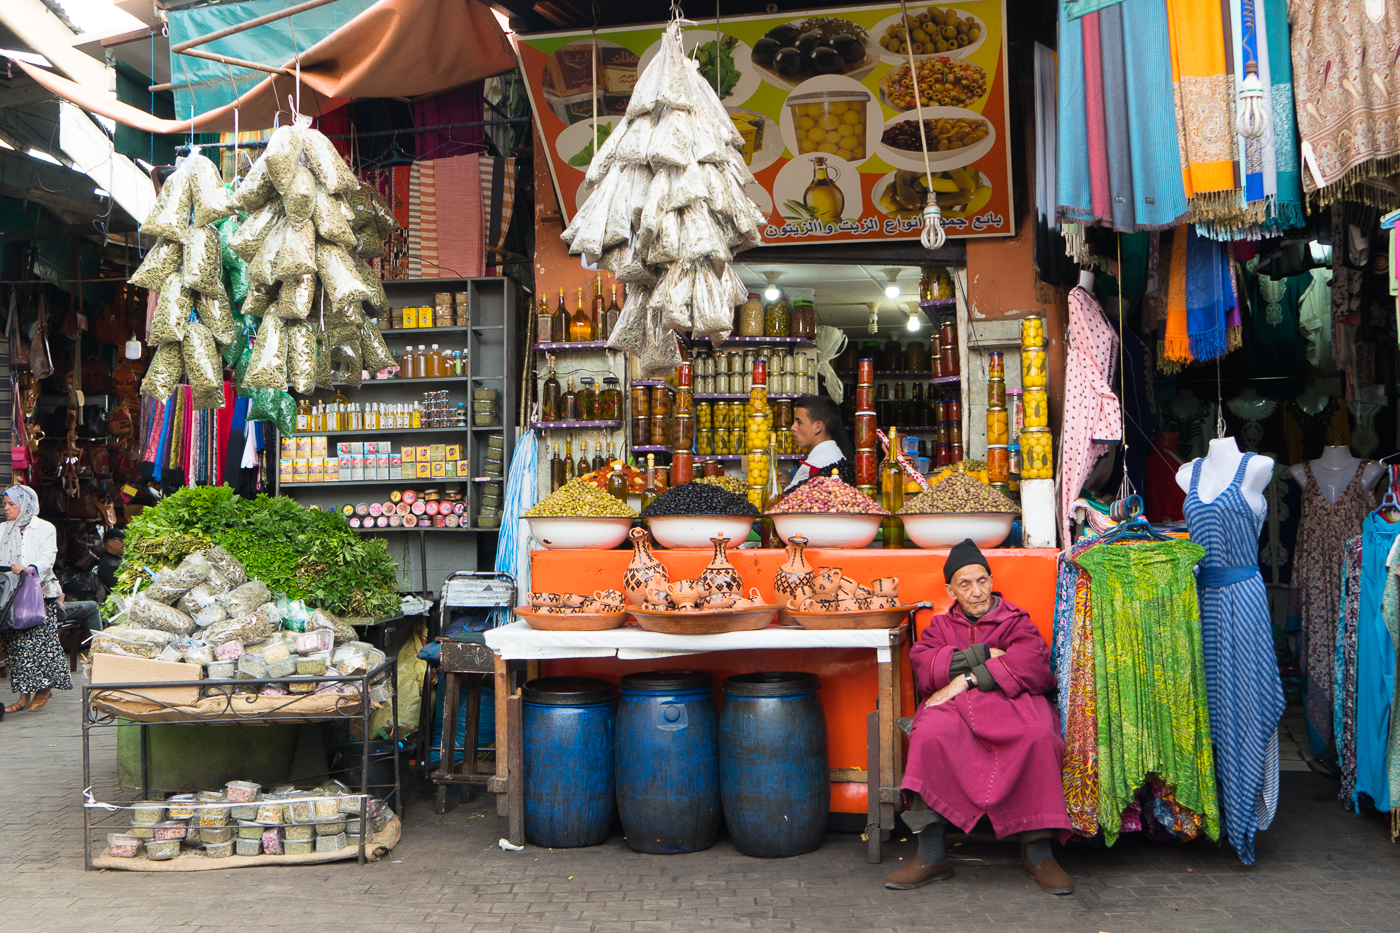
[{"x": 826, "y": 109}]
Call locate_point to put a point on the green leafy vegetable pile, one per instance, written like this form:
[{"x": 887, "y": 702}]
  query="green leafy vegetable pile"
[
  {"x": 303, "y": 553},
  {"x": 718, "y": 64}
]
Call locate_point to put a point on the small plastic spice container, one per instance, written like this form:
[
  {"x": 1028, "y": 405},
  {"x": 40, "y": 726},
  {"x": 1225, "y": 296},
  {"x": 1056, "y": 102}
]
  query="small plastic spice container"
[
  {"x": 330, "y": 843},
  {"x": 181, "y": 806},
  {"x": 314, "y": 641},
  {"x": 247, "y": 829},
  {"x": 123, "y": 845},
  {"x": 272, "y": 841},
  {"x": 291, "y": 847},
  {"x": 313, "y": 665},
  {"x": 209, "y": 817},
  {"x": 299, "y": 832},
  {"x": 215, "y": 834},
  {"x": 327, "y": 807},
  {"x": 221, "y": 670},
  {"x": 229, "y": 651},
  {"x": 283, "y": 668},
  {"x": 173, "y": 829},
  {"x": 241, "y": 791},
  {"x": 276, "y": 651},
  {"x": 148, "y": 811},
  {"x": 162, "y": 850},
  {"x": 142, "y": 830},
  {"x": 269, "y": 813},
  {"x": 301, "y": 809},
  {"x": 219, "y": 849},
  {"x": 192, "y": 836},
  {"x": 330, "y": 827},
  {"x": 300, "y": 685},
  {"x": 248, "y": 846}
]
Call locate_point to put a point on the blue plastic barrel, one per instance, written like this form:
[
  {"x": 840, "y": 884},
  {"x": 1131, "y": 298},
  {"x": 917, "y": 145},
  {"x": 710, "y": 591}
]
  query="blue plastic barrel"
[
  {"x": 773, "y": 775},
  {"x": 668, "y": 762},
  {"x": 567, "y": 725}
]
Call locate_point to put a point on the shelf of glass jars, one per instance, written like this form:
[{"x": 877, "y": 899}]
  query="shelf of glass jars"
[
  {"x": 742, "y": 456},
  {"x": 398, "y": 381},
  {"x": 741, "y": 396},
  {"x": 902, "y": 374},
  {"x": 398, "y": 331},
  {"x": 651, "y": 448},
  {"x": 580, "y": 345},
  {"x": 935, "y": 304},
  {"x": 573, "y": 425},
  {"x": 757, "y": 341},
  {"x": 381, "y": 431}
]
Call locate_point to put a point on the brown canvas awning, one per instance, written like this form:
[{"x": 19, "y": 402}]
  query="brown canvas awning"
[{"x": 396, "y": 48}]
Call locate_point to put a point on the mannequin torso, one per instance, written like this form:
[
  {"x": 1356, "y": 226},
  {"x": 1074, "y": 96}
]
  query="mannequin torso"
[
  {"x": 1218, "y": 468},
  {"x": 1333, "y": 472}
]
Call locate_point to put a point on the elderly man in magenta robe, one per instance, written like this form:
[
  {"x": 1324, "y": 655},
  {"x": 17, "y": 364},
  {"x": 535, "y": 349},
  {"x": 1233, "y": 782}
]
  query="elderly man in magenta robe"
[{"x": 986, "y": 741}]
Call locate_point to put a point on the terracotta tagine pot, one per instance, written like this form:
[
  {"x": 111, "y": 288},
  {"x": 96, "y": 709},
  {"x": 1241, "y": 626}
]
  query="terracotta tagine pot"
[
  {"x": 645, "y": 570},
  {"x": 720, "y": 576},
  {"x": 795, "y": 579}
]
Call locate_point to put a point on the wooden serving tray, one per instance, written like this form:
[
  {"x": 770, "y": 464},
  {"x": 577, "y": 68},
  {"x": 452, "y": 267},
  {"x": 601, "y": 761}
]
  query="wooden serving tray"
[
  {"x": 860, "y": 619},
  {"x": 705, "y": 621},
  {"x": 576, "y": 622}
]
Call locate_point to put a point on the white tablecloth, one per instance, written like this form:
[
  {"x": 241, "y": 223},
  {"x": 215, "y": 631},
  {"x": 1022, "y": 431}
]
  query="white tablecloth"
[{"x": 517, "y": 641}]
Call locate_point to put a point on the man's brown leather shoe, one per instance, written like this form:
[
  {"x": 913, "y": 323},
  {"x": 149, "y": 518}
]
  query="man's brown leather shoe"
[
  {"x": 918, "y": 873},
  {"x": 1049, "y": 875}
]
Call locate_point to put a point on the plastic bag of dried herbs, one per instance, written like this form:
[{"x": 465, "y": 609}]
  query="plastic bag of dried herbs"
[
  {"x": 216, "y": 313},
  {"x": 268, "y": 367},
  {"x": 338, "y": 276},
  {"x": 374, "y": 352},
  {"x": 160, "y": 263},
  {"x": 255, "y": 229},
  {"x": 235, "y": 269},
  {"x": 256, "y": 187},
  {"x": 299, "y": 199},
  {"x": 260, "y": 266},
  {"x": 163, "y": 375},
  {"x": 282, "y": 155},
  {"x": 170, "y": 218},
  {"x": 329, "y": 217},
  {"x": 203, "y": 266},
  {"x": 224, "y": 569},
  {"x": 245, "y": 599},
  {"x": 295, "y": 300},
  {"x": 368, "y": 243},
  {"x": 260, "y": 298},
  {"x": 320, "y": 153},
  {"x": 203, "y": 366},
  {"x": 172, "y": 313},
  {"x": 378, "y": 299},
  {"x": 276, "y": 406},
  {"x": 384, "y": 218},
  {"x": 301, "y": 357},
  {"x": 297, "y": 257},
  {"x": 346, "y": 365},
  {"x": 323, "y": 362},
  {"x": 211, "y": 199}
]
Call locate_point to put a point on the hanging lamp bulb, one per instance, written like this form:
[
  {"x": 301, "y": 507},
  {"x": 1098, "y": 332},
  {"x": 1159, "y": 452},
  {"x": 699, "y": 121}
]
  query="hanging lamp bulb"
[
  {"x": 872, "y": 323},
  {"x": 914, "y": 322},
  {"x": 933, "y": 235},
  {"x": 772, "y": 292},
  {"x": 1252, "y": 121}
]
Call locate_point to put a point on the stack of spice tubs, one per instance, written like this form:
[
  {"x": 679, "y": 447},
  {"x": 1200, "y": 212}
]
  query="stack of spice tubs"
[{"x": 243, "y": 820}]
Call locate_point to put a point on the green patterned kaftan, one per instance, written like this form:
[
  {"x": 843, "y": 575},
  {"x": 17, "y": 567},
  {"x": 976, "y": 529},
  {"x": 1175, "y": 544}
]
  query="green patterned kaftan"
[{"x": 1150, "y": 682}]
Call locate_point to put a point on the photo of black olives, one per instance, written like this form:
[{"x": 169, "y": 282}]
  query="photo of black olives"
[
  {"x": 785, "y": 35},
  {"x": 764, "y": 50},
  {"x": 826, "y": 61},
  {"x": 808, "y": 41},
  {"x": 848, "y": 47},
  {"x": 788, "y": 62}
]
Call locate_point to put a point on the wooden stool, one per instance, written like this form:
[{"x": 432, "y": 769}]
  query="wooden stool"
[{"x": 462, "y": 665}]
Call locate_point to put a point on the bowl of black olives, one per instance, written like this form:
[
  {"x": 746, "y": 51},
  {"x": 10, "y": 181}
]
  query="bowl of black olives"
[{"x": 819, "y": 45}]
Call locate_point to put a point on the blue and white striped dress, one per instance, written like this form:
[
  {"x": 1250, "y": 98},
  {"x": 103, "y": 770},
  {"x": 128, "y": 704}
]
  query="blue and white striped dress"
[{"x": 1243, "y": 685}]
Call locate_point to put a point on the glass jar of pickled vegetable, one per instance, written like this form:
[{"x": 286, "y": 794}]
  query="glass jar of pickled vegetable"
[
  {"x": 641, "y": 402},
  {"x": 685, "y": 400},
  {"x": 749, "y": 317},
  {"x": 916, "y": 356},
  {"x": 804, "y": 319},
  {"x": 777, "y": 318},
  {"x": 1033, "y": 331},
  {"x": 1037, "y": 408},
  {"x": 704, "y": 416},
  {"x": 996, "y": 393},
  {"x": 660, "y": 430},
  {"x": 998, "y": 426},
  {"x": 1033, "y": 368},
  {"x": 782, "y": 414},
  {"x": 641, "y": 431},
  {"x": 682, "y": 467},
  {"x": 998, "y": 463},
  {"x": 892, "y": 357},
  {"x": 682, "y": 433},
  {"x": 608, "y": 403},
  {"x": 705, "y": 442},
  {"x": 1037, "y": 456},
  {"x": 996, "y": 365},
  {"x": 660, "y": 401}
]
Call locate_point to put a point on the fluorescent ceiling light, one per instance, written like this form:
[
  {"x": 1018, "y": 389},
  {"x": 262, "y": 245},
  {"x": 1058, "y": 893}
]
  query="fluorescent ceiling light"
[
  {"x": 5, "y": 145},
  {"x": 40, "y": 154}
]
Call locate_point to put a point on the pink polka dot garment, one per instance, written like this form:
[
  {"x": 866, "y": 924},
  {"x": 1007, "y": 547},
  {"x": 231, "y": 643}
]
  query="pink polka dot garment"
[{"x": 1092, "y": 416}]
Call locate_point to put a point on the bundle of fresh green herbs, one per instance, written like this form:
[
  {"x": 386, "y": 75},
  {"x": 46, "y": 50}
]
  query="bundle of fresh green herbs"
[
  {"x": 716, "y": 61},
  {"x": 302, "y": 553}
]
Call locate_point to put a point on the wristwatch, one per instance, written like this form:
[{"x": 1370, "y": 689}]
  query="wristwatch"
[{"x": 971, "y": 681}]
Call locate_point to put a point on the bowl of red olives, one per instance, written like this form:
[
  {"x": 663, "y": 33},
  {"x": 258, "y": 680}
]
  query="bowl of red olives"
[{"x": 819, "y": 45}]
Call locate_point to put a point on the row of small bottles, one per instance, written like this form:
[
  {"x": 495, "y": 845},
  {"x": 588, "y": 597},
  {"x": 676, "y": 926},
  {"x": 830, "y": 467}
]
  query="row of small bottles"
[
  {"x": 585, "y": 404},
  {"x": 561, "y": 470},
  {"x": 341, "y": 414},
  {"x": 586, "y": 324},
  {"x": 428, "y": 363}
]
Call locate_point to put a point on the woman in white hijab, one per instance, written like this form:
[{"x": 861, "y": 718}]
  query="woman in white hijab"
[{"x": 28, "y": 544}]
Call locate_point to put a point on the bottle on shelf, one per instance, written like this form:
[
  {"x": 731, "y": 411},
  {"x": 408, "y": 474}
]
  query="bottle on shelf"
[
  {"x": 549, "y": 395},
  {"x": 651, "y": 492},
  {"x": 457, "y": 362},
  {"x": 611, "y": 315},
  {"x": 899, "y": 412},
  {"x": 772, "y": 491},
  {"x": 586, "y": 399},
  {"x": 598, "y": 461},
  {"x": 915, "y": 414},
  {"x": 416, "y": 419},
  {"x": 568, "y": 403},
  {"x": 892, "y": 493},
  {"x": 925, "y": 284},
  {"x": 406, "y": 364},
  {"x": 559, "y": 322},
  {"x": 581, "y": 466},
  {"x": 580, "y": 327},
  {"x": 569, "y": 457},
  {"x": 304, "y": 416},
  {"x": 617, "y": 480},
  {"x": 420, "y": 361},
  {"x": 544, "y": 320},
  {"x": 557, "y": 477},
  {"x": 598, "y": 314},
  {"x": 340, "y": 406},
  {"x": 435, "y": 362}
]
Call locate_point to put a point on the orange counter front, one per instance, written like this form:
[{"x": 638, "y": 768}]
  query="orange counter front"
[{"x": 848, "y": 676}]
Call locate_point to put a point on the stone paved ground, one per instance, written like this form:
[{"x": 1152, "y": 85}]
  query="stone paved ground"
[{"x": 1319, "y": 869}]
